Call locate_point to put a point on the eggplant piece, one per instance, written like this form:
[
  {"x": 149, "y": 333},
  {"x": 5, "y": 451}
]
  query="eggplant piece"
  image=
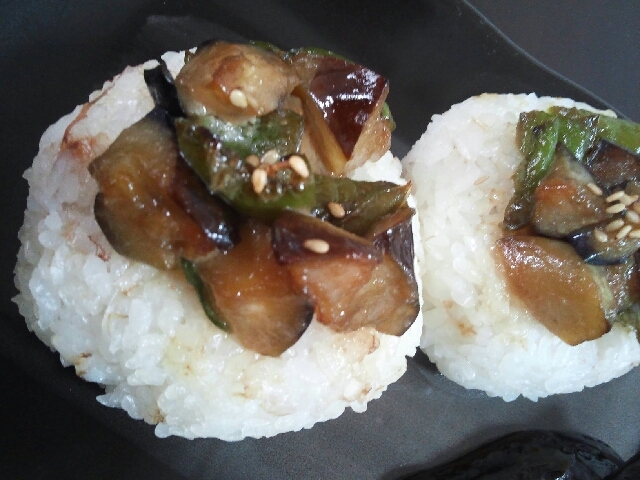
[
  {"x": 135, "y": 207},
  {"x": 619, "y": 288},
  {"x": 215, "y": 217},
  {"x": 364, "y": 203},
  {"x": 563, "y": 201},
  {"x": 321, "y": 146},
  {"x": 163, "y": 90},
  {"x": 555, "y": 285},
  {"x": 612, "y": 165},
  {"x": 348, "y": 95},
  {"x": 347, "y": 279},
  {"x": 233, "y": 82},
  {"x": 597, "y": 249},
  {"x": 232, "y": 178},
  {"x": 393, "y": 234},
  {"x": 537, "y": 135},
  {"x": 252, "y": 295},
  {"x": 343, "y": 104},
  {"x": 531, "y": 455}
]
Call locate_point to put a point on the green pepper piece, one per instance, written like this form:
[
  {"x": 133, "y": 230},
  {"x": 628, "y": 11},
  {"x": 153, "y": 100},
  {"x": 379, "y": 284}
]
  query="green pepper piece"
[
  {"x": 364, "y": 202},
  {"x": 204, "y": 294},
  {"x": 537, "y": 134},
  {"x": 578, "y": 129},
  {"x": 581, "y": 129},
  {"x": 385, "y": 113},
  {"x": 230, "y": 176},
  {"x": 279, "y": 130},
  {"x": 622, "y": 132}
]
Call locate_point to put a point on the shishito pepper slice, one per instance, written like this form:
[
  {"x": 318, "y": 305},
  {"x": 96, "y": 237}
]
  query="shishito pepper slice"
[
  {"x": 364, "y": 203},
  {"x": 231, "y": 177},
  {"x": 278, "y": 130}
]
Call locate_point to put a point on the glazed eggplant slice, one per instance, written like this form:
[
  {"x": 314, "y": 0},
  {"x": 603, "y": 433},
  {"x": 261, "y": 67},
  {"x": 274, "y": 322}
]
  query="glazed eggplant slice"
[
  {"x": 163, "y": 90},
  {"x": 537, "y": 137},
  {"x": 343, "y": 102},
  {"x": 613, "y": 166},
  {"x": 563, "y": 200},
  {"x": 599, "y": 247},
  {"x": 135, "y": 207},
  {"x": 531, "y": 455},
  {"x": 345, "y": 276},
  {"x": 234, "y": 82},
  {"x": 214, "y": 216},
  {"x": 555, "y": 285},
  {"x": 393, "y": 234},
  {"x": 619, "y": 287},
  {"x": 252, "y": 295}
]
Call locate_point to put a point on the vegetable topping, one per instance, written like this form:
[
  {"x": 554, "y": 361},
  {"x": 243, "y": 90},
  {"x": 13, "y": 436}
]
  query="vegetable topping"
[
  {"x": 235, "y": 178},
  {"x": 576, "y": 200}
]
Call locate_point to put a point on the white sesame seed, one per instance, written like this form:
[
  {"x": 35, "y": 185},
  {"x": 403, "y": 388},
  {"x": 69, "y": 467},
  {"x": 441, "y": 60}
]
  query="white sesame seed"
[
  {"x": 270, "y": 157},
  {"x": 259, "y": 180},
  {"x": 615, "y": 196},
  {"x": 632, "y": 216},
  {"x": 614, "y": 225},
  {"x": 299, "y": 166},
  {"x": 336, "y": 209},
  {"x": 594, "y": 188},
  {"x": 253, "y": 160},
  {"x": 616, "y": 208},
  {"x": 634, "y": 233},
  {"x": 623, "y": 232},
  {"x": 238, "y": 98},
  {"x": 316, "y": 245},
  {"x": 600, "y": 235},
  {"x": 626, "y": 200}
]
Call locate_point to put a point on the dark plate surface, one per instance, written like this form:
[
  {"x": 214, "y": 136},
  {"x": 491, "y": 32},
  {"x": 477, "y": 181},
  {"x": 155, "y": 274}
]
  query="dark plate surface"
[{"x": 435, "y": 53}]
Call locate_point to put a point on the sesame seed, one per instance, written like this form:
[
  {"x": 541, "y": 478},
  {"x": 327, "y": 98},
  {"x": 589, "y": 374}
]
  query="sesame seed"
[
  {"x": 336, "y": 209},
  {"x": 626, "y": 200},
  {"x": 316, "y": 245},
  {"x": 636, "y": 207},
  {"x": 615, "y": 196},
  {"x": 632, "y": 216},
  {"x": 259, "y": 180},
  {"x": 594, "y": 188},
  {"x": 600, "y": 235},
  {"x": 238, "y": 98},
  {"x": 634, "y": 233},
  {"x": 270, "y": 157},
  {"x": 616, "y": 208},
  {"x": 253, "y": 160},
  {"x": 299, "y": 166},
  {"x": 614, "y": 226},
  {"x": 623, "y": 232}
]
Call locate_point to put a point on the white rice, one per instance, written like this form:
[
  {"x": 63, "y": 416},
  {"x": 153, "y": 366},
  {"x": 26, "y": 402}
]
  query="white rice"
[
  {"x": 141, "y": 333},
  {"x": 477, "y": 335}
]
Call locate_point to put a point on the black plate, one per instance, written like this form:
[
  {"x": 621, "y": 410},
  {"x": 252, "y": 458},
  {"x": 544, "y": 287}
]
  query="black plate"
[{"x": 435, "y": 53}]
